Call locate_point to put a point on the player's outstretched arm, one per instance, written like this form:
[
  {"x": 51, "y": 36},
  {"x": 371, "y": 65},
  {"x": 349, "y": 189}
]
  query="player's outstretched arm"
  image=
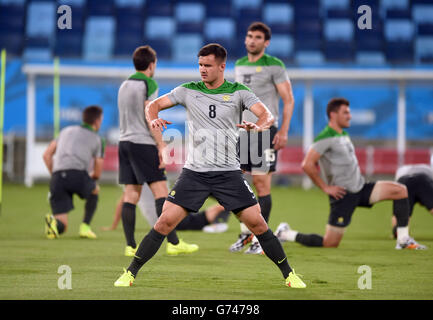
[
  {"x": 309, "y": 165},
  {"x": 285, "y": 91},
  {"x": 48, "y": 155},
  {"x": 265, "y": 118},
  {"x": 97, "y": 168}
]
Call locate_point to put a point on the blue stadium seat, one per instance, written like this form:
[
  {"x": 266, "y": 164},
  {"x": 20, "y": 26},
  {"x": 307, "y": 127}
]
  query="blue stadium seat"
[
  {"x": 162, "y": 48},
  {"x": 129, "y": 3},
  {"x": 41, "y": 19},
  {"x": 189, "y": 12},
  {"x": 339, "y": 51},
  {"x": 127, "y": 43},
  {"x": 399, "y": 52},
  {"x": 189, "y": 17},
  {"x": 160, "y": 27},
  {"x": 219, "y": 28},
  {"x": 370, "y": 58},
  {"x": 238, "y": 4},
  {"x": 338, "y": 29},
  {"x": 100, "y": 8},
  {"x": 278, "y": 13},
  {"x": 99, "y": 38},
  {"x": 15, "y": 3},
  {"x": 37, "y": 49},
  {"x": 186, "y": 46},
  {"x": 422, "y": 13},
  {"x": 424, "y": 49},
  {"x": 399, "y": 29},
  {"x": 395, "y": 4},
  {"x": 335, "y": 4},
  {"x": 307, "y": 57},
  {"x": 159, "y": 8},
  {"x": 281, "y": 46}
]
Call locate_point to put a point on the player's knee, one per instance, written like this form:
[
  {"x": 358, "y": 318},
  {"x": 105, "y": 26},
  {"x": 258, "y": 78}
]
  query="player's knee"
[
  {"x": 331, "y": 243},
  {"x": 258, "y": 227},
  {"x": 164, "y": 226}
]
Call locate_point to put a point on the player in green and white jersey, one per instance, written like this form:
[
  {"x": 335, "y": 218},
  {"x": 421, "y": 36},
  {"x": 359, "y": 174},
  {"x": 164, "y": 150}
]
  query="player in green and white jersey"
[
  {"x": 214, "y": 111},
  {"x": 266, "y": 76},
  {"x": 341, "y": 179}
]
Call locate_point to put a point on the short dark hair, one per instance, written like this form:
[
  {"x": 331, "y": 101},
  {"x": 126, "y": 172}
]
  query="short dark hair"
[
  {"x": 91, "y": 114},
  {"x": 262, "y": 27},
  {"x": 213, "y": 48},
  {"x": 334, "y": 105},
  {"x": 143, "y": 56}
]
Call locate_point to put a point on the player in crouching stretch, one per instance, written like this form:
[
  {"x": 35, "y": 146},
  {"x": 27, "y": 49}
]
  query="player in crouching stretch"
[
  {"x": 68, "y": 158},
  {"x": 214, "y": 107},
  {"x": 346, "y": 187},
  {"x": 418, "y": 179}
]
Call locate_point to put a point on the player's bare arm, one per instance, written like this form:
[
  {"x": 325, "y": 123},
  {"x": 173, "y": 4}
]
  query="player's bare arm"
[
  {"x": 97, "y": 169},
  {"x": 48, "y": 155},
  {"x": 157, "y": 136},
  {"x": 153, "y": 108},
  {"x": 309, "y": 165},
  {"x": 285, "y": 91},
  {"x": 265, "y": 118}
]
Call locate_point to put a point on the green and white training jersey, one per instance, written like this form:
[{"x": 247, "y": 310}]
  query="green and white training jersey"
[
  {"x": 212, "y": 115},
  {"x": 77, "y": 147},
  {"x": 338, "y": 162},
  {"x": 262, "y": 77},
  {"x": 130, "y": 101},
  {"x": 411, "y": 169}
]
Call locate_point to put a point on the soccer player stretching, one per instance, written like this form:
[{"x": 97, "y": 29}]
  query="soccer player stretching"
[
  {"x": 266, "y": 76},
  {"x": 342, "y": 181},
  {"x": 140, "y": 150},
  {"x": 214, "y": 107},
  {"x": 68, "y": 158}
]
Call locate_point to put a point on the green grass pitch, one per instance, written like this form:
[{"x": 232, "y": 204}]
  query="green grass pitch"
[{"x": 29, "y": 263}]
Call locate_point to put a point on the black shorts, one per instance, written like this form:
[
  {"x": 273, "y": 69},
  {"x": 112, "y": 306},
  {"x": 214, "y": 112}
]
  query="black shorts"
[
  {"x": 342, "y": 209},
  {"x": 420, "y": 189},
  {"x": 230, "y": 189},
  {"x": 138, "y": 163},
  {"x": 64, "y": 184},
  {"x": 252, "y": 155}
]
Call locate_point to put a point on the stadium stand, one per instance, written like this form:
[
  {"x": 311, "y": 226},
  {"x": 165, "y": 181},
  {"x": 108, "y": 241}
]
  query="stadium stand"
[{"x": 305, "y": 32}]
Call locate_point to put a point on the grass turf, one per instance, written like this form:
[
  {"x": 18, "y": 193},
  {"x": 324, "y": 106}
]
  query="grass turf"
[{"x": 29, "y": 262}]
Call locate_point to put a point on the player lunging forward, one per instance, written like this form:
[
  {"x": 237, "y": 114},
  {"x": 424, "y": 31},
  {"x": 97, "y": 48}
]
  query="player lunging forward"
[
  {"x": 212, "y": 168},
  {"x": 346, "y": 187},
  {"x": 68, "y": 159}
]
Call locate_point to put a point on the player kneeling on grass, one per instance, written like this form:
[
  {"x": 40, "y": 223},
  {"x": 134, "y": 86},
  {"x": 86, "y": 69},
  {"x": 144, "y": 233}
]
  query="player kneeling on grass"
[
  {"x": 346, "y": 187},
  {"x": 68, "y": 158},
  {"x": 213, "y": 108}
]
